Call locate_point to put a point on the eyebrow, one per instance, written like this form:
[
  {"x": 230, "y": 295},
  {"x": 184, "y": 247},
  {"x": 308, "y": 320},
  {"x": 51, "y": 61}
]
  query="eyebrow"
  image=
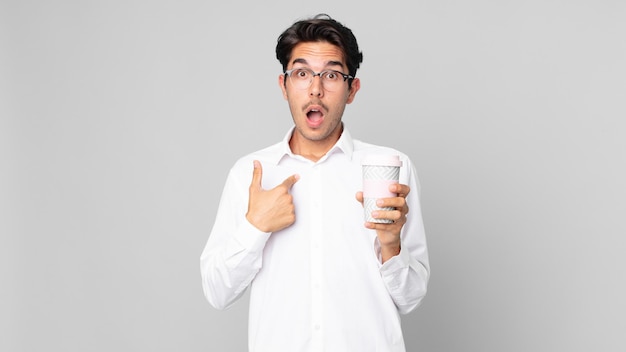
[{"x": 329, "y": 63}]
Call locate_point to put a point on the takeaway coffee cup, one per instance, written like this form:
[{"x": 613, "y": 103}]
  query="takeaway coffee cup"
[{"x": 379, "y": 172}]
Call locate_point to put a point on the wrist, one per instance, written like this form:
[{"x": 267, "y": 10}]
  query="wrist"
[
  {"x": 390, "y": 250},
  {"x": 256, "y": 224}
]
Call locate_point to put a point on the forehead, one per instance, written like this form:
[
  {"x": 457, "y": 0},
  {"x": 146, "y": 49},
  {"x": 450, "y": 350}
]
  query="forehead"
[{"x": 314, "y": 54}]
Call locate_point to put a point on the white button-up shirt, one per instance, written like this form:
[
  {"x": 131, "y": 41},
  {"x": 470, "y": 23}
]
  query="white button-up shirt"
[{"x": 317, "y": 285}]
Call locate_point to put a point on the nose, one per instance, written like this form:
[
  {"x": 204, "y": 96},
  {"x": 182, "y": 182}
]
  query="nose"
[{"x": 316, "y": 88}]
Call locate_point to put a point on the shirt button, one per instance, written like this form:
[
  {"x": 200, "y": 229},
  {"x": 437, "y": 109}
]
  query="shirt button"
[{"x": 317, "y": 327}]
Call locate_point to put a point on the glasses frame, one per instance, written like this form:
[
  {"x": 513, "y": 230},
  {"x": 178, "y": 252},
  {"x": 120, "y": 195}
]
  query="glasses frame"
[{"x": 288, "y": 73}]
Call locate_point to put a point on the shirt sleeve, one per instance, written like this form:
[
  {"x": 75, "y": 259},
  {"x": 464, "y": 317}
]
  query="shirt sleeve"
[
  {"x": 406, "y": 275},
  {"x": 233, "y": 254}
]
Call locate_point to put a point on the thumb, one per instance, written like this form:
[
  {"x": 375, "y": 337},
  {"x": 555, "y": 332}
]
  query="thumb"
[
  {"x": 359, "y": 197},
  {"x": 257, "y": 175}
]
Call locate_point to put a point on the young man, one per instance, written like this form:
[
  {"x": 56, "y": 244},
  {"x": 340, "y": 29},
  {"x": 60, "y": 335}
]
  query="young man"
[{"x": 290, "y": 222}]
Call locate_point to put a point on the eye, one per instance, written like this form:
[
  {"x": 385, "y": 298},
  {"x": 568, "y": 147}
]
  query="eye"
[
  {"x": 301, "y": 73},
  {"x": 331, "y": 76}
]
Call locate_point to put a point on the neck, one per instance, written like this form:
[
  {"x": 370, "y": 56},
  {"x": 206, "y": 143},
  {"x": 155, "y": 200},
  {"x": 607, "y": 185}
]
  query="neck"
[{"x": 312, "y": 149}]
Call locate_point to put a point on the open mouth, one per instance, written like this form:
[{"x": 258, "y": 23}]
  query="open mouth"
[{"x": 314, "y": 117}]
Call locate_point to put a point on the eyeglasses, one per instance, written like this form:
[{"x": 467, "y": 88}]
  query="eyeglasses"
[{"x": 301, "y": 78}]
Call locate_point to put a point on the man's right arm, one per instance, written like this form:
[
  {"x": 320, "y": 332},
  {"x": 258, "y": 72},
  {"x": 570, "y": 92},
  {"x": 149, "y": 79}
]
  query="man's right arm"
[{"x": 234, "y": 252}]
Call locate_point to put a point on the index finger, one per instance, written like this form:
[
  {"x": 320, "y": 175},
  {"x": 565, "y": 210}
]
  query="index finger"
[
  {"x": 290, "y": 181},
  {"x": 400, "y": 189}
]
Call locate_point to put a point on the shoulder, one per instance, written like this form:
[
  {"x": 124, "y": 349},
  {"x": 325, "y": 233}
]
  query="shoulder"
[{"x": 267, "y": 155}]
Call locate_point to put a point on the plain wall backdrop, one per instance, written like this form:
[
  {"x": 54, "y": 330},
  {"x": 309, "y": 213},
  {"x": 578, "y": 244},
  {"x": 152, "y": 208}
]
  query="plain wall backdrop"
[{"x": 120, "y": 120}]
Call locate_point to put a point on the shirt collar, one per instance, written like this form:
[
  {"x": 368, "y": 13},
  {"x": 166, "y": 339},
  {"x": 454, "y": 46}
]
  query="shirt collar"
[{"x": 345, "y": 144}]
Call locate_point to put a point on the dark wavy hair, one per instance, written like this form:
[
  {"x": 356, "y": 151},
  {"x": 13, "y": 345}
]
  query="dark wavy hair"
[{"x": 321, "y": 28}]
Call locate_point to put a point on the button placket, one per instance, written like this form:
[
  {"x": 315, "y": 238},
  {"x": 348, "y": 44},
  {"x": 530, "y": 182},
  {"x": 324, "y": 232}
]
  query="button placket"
[{"x": 317, "y": 261}]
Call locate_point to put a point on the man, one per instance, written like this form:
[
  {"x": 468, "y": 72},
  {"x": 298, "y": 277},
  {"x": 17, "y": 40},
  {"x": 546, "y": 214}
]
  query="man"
[{"x": 290, "y": 222}]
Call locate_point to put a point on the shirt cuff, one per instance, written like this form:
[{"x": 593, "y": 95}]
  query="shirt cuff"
[{"x": 250, "y": 237}]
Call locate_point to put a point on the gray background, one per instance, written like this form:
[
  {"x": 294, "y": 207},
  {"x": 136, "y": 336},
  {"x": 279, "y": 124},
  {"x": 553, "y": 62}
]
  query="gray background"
[{"x": 120, "y": 119}]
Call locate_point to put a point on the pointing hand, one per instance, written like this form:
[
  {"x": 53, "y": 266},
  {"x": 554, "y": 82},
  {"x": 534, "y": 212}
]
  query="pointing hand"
[{"x": 270, "y": 210}]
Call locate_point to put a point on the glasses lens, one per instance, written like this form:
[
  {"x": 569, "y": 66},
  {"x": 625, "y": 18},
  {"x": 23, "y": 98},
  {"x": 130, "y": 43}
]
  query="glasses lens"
[
  {"x": 302, "y": 78},
  {"x": 332, "y": 80}
]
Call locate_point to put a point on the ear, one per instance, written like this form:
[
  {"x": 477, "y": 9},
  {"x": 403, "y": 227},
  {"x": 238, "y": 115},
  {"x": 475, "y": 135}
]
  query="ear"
[
  {"x": 356, "y": 85},
  {"x": 281, "y": 83}
]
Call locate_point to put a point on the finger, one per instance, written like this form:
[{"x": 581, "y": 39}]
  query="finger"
[
  {"x": 393, "y": 215},
  {"x": 257, "y": 175},
  {"x": 359, "y": 197},
  {"x": 395, "y": 202},
  {"x": 291, "y": 180},
  {"x": 382, "y": 226},
  {"x": 400, "y": 189}
]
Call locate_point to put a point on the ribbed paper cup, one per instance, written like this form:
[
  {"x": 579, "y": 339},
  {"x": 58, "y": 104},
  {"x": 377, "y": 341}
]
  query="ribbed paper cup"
[{"x": 379, "y": 172}]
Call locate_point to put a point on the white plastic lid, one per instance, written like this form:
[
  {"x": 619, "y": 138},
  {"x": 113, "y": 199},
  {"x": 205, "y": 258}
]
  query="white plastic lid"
[{"x": 382, "y": 160}]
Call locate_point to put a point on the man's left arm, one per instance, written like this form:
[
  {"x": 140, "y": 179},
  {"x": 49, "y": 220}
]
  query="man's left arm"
[{"x": 402, "y": 246}]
